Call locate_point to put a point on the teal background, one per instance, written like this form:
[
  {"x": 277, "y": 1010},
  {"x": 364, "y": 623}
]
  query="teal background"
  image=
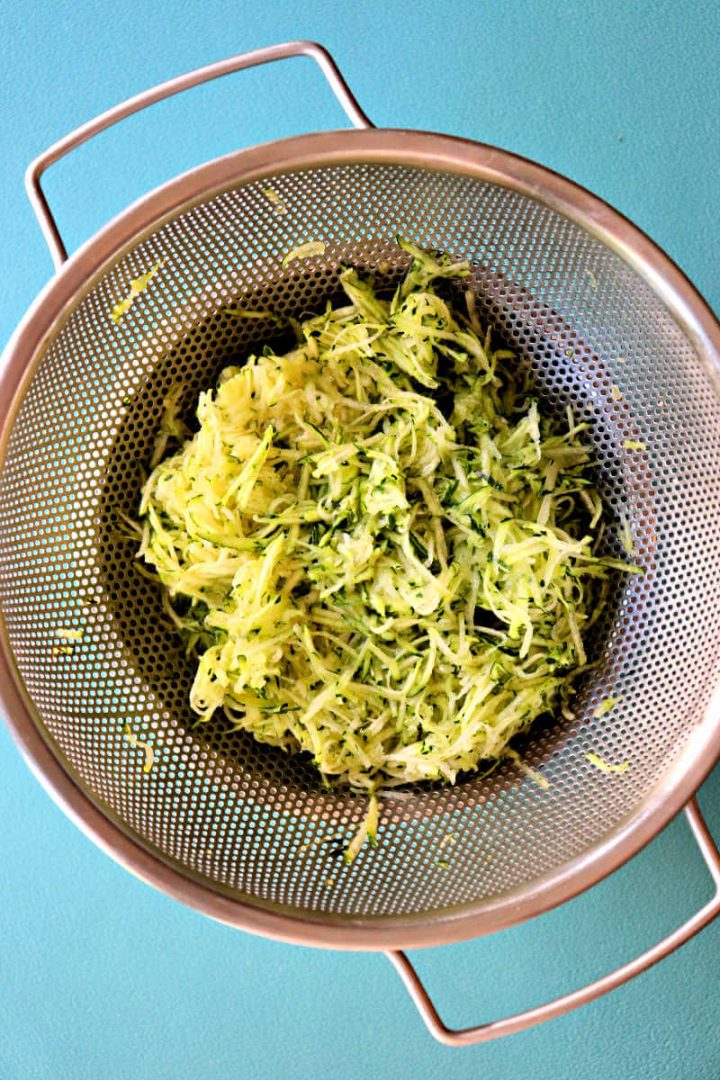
[{"x": 101, "y": 977}]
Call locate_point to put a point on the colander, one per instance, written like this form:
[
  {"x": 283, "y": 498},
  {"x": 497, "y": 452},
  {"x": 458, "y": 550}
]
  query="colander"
[{"x": 240, "y": 831}]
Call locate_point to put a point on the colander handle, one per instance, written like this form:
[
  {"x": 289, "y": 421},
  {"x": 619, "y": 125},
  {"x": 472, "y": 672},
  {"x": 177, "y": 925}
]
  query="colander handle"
[
  {"x": 322, "y": 57},
  {"x": 511, "y": 1024}
]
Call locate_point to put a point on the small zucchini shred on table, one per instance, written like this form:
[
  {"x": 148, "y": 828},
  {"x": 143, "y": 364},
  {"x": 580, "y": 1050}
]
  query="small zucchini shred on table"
[{"x": 381, "y": 551}]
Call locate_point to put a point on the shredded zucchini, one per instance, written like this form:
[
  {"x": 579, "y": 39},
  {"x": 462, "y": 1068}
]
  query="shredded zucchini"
[
  {"x": 538, "y": 778},
  {"x": 603, "y": 766},
  {"x": 380, "y": 548},
  {"x": 367, "y": 830},
  {"x": 606, "y": 705},
  {"x": 136, "y": 288},
  {"x": 626, "y": 535},
  {"x": 272, "y": 196},
  {"x": 137, "y": 743},
  {"x": 449, "y": 838},
  {"x": 304, "y": 251}
]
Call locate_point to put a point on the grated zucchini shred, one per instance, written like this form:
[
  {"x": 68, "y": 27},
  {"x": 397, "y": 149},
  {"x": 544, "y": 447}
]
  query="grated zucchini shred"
[
  {"x": 605, "y": 767},
  {"x": 140, "y": 744},
  {"x": 277, "y": 203},
  {"x": 138, "y": 286},
  {"x": 309, "y": 250},
  {"x": 606, "y": 705},
  {"x": 626, "y": 535},
  {"x": 538, "y": 778},
  {"x": 380, "y": 549}
]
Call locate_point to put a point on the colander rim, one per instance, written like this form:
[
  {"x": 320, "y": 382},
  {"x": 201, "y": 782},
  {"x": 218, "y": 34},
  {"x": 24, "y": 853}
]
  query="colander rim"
[{"x": 18, "y": 362}]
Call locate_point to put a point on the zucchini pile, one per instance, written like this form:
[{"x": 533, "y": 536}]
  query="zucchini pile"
[{"x": 381, "y": 550}]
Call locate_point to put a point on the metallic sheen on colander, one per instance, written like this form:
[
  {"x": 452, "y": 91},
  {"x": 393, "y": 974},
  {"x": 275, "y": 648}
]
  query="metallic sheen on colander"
[{"x": 243, "y": 831}]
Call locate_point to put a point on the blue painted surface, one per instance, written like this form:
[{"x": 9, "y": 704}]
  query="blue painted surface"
[{"x": 103, "y": 977}]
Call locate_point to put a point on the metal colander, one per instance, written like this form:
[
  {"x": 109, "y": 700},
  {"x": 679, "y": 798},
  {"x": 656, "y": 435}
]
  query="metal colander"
[{"x": 242, "y": 830}]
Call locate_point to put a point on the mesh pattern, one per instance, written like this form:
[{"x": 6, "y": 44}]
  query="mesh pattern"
[{"x": 247, "y": 819}]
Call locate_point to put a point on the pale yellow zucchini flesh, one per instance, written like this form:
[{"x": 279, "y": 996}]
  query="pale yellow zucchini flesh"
[{"x": 378, "y": 545}]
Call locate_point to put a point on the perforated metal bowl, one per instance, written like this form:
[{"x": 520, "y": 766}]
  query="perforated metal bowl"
[{"x": 239, "y": 830}]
